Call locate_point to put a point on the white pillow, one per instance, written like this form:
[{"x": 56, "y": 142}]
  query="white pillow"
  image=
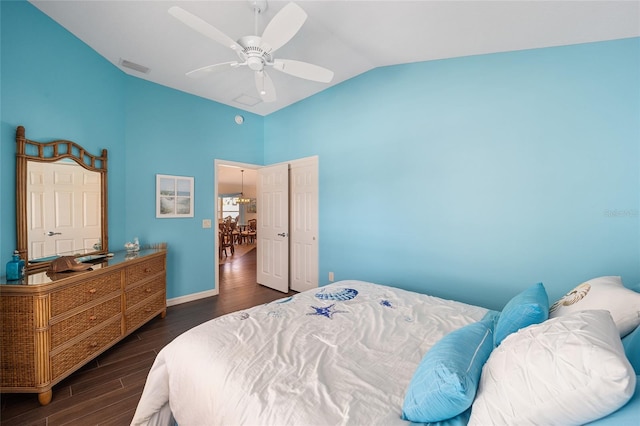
[
  {"x": 602, "y": 293},
  {"x": 564, "y": 371}
]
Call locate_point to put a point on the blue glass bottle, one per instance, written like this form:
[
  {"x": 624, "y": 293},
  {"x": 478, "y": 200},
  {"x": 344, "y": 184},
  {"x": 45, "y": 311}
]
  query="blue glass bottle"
[{"x": 15, "y": 267}]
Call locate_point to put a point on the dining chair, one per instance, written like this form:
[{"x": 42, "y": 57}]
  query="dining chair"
[
  {"x": 225, "y": 238},
  {"x": 252, "y": 230}
]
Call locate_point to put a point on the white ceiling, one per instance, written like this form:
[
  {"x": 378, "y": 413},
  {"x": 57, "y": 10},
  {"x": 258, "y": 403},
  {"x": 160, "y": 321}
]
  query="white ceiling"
[
  {"x": 348, "y": 37},
  {"x": 232, "y": 175}
]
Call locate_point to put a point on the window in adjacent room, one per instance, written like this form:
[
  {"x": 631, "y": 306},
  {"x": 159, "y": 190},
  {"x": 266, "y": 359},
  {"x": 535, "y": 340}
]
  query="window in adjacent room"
[{"x": 228, "y": 206}]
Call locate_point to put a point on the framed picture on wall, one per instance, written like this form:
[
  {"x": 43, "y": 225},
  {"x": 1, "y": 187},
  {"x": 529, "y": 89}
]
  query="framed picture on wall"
[
  {"x": 251, "y": 207},
  {"x": 174, "y": 196}
]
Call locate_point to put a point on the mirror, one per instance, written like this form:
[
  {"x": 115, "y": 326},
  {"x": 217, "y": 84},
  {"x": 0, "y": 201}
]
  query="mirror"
[{"x": 61, "y": 200}]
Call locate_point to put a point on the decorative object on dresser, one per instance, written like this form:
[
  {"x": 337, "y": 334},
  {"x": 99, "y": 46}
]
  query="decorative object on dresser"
[
  {"x": 132, "y": 246},
  {"x": 15, "y": 267},
  {"x": 55, "y": 322}
]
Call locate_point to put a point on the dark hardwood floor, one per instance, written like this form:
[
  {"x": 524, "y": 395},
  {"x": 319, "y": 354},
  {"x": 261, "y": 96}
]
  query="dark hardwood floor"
[{"x": 107, "y": 390}]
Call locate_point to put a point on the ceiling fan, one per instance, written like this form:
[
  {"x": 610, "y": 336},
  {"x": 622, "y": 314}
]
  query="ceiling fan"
[{"x": 256, "y": 52}]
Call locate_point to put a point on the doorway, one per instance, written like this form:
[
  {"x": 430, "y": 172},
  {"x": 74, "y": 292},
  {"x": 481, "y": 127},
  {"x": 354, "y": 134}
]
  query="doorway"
[
  {"x": 302, "y": 258},
  {"x": 233, "y": 182}
]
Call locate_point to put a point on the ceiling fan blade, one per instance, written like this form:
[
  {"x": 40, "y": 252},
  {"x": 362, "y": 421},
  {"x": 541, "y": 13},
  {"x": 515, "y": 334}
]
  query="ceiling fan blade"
[
  {"x": 283, "y": 27},
  {"x": 203, "y": 27},
  {"x": 303, "y": 70},
  {"x": 265, "y": 86},
  {"x": 212, "y": 69}
]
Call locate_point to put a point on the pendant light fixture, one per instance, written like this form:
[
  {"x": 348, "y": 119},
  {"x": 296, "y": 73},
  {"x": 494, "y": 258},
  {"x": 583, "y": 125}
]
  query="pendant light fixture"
[{"x": 241, "y": 199}]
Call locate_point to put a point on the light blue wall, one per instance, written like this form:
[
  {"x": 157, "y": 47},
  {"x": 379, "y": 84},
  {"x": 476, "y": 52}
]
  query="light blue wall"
[
  {"x": 506, "y": 169},
  {"x": 58, "y": 87},
  {"x": 475, "y": 177},
  {"x": 173, "y": 133}
]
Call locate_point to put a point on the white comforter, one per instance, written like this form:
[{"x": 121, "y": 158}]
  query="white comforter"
[{"x": 340, "y": 354}]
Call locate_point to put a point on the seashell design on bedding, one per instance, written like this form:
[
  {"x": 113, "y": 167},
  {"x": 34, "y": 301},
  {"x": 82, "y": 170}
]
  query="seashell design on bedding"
[
  {"x": 386, "y": 303},
  {"x": 342, "y": 294},
  {"x": 574, "y": 296},
  {"x": 277, "y": 313},
  {"x": 242, "y": 316},
  {"x": 326, "y": 311}
]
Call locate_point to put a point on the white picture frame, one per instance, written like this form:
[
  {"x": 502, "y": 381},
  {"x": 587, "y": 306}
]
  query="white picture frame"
[{"x": 174, "y": 196}]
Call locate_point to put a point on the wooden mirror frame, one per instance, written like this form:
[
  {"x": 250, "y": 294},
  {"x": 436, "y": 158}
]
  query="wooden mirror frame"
[{"x": 48, "y": 152}]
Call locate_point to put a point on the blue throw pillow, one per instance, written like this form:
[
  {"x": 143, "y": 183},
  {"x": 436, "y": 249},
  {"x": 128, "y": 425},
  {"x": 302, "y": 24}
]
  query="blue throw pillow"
[
  {"x": 445, "y": 383},
  {"x": 631, "y": 344},
  {"x": 525, "y": 309}
]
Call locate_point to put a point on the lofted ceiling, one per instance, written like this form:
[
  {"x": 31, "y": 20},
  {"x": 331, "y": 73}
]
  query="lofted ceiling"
[
  {"x": 231, "y": 176},
  {"x": 347, "y": 37}
]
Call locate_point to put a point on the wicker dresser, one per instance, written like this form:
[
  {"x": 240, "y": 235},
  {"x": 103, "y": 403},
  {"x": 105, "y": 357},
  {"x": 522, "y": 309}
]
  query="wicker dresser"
[{"x": 53, "y": 324}]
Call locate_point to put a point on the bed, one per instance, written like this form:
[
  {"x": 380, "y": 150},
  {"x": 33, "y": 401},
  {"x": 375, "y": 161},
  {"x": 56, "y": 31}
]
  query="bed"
[{"x": 355, "y": 352}]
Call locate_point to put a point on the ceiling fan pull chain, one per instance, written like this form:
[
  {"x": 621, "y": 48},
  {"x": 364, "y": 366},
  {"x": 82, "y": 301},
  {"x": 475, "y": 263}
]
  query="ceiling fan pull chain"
[
  {"x": 256, "y": 12},
  {"x": 260, "y": 82}
]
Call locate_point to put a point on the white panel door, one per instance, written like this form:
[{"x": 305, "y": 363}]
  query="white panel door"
[
  {"x": 273, "y": 227},
  {"x": 304, "y": 225},
  {"x": 61, "y": 219}
]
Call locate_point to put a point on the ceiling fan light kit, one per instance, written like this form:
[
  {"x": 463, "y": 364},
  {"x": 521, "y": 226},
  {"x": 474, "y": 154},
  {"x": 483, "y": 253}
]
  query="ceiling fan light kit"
[{"x": 256, "y": 52}]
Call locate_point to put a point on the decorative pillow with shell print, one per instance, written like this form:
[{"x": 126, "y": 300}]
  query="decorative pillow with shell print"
[{"x": 602, "y": 293}]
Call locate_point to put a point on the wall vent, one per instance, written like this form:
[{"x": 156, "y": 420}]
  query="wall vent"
[{"x": 133, "y": 66}]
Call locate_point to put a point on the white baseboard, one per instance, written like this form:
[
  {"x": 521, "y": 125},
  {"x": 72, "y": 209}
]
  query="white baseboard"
[{"x": 192, "y": 297}]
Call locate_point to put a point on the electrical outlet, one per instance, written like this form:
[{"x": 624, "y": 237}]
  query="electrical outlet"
[
  {"x": 331, "y": 276},
  {"x": 206, "y": 223}
]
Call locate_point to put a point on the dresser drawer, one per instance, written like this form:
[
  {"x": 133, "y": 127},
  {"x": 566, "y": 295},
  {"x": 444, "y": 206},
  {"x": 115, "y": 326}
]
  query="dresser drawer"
[
  {"x": 140, "y": 271},
  {"x": 65, "y": 330},
  {"x": 81, "y": 351},
  {"x": 141, "y": 313},
  {"x": 137, "y": 294},
  {"x": 77, "y": 295}
]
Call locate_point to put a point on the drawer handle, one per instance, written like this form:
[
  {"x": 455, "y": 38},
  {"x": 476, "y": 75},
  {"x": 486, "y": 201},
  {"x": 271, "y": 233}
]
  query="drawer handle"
[
  {"x": 92, "y": 291},
  {"x": 93, "y": 344},
  {"x": 148, "y": 290},
  {"x": 93, "y": 317},
  {"x": 148, "y": 310},
  {"x": 147, "y": 269}
]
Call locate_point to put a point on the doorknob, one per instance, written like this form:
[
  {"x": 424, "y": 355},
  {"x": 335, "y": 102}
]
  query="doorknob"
[
  {"x": 51, "y": 233},
  {"x": 284, "y": 234}
]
